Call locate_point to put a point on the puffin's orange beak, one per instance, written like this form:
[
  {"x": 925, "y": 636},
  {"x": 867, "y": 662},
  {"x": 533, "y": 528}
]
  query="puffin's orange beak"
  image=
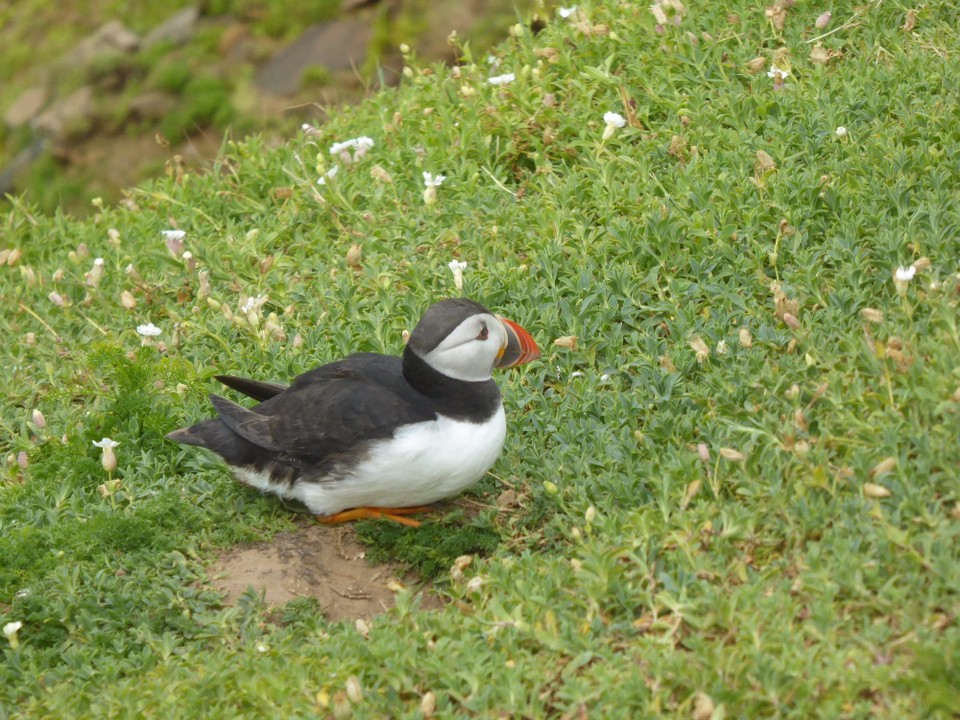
[{"x": 520, "y": 347}]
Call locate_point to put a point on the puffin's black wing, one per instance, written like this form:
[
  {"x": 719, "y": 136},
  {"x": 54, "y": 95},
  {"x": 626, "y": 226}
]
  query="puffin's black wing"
[{"x": 323, "y": 414}]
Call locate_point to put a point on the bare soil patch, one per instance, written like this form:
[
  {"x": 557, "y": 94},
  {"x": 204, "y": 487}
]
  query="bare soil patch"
[{"x": 326, "y": 563}]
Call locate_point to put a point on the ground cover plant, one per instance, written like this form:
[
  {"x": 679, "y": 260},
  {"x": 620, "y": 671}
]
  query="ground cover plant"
[{"x": 734, "y": 473}]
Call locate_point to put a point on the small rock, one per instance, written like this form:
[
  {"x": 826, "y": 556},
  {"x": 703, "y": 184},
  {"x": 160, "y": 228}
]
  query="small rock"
[
  {"x": 110, "y": 38},
  {"x": 336, "y": 45},
  {"x": 59, "y": 117},
  {"x": 152, "y": 105},
  {"x": 26, "y": 106},
  {"x": 233, "y": 40},
  {"x": 176, "y": 29}
]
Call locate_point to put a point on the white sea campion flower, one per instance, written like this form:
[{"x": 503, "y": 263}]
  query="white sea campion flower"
[
  {"x": 149, "y": 330},
  {"x": 504, "y": 79},
  {"x": 328, "y": 175},
  {"x": 95, "y": 275},
  {"x": 253, "y": 303},
  {"x": 363, "y": 145},
  {"x": 840, "y": 132},
  {"x": 359, "y": 145},
  {"x": 905, "y": 274},
  {"x": 566, "y": 12},
  {"x": 902, "y": 277},
  {"x": 432, "y": 182},
  {"x": 457, "y": 268},
  {"x": 779, "y": 76},
  {"x": 10, "y": 631},
  {"x": 108, "y": 459},
  {"x": 174, "y": 241},
  {"x": 250, "y": 308},
  {"x": 612, "y": 121}
]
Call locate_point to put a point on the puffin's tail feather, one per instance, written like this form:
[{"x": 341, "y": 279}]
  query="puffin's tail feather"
[
  {"x": 214, "y": 435},
  {"x": 257, "y": 389}
]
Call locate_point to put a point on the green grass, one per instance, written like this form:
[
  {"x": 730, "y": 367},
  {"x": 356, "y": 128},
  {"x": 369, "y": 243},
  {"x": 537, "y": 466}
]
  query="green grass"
[{"x": 690, "y": 532}]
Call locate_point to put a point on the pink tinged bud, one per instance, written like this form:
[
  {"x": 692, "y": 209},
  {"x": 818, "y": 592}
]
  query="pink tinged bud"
[
  {"x": 174, "y": 241},
  {"x": 823, "y": 20},
  {"x": 56, "y": 298},
  {"x": 704, "y": 452},
  {"x": 38, "y": 420},
  {"x": 109, "y": 459},
  {"x": 22, "y": 460}
]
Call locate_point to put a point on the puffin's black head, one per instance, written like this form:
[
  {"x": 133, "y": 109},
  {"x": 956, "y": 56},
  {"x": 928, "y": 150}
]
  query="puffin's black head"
[{"x": 465, "y": 341}]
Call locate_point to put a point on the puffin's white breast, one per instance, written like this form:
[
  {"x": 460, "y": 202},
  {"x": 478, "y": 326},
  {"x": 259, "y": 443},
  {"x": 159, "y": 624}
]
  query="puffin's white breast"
[{"x": 421, "y": 464}]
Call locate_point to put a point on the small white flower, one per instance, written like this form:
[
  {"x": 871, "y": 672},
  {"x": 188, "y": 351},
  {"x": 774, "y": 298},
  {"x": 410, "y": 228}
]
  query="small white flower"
[
  {"x": 615, "y": 119},
  {"x": 10, "y": 630},
  {"x": 613, "y": 122},
  {"x": 95, "y": 275},
  {"x": 905, "y": 274},
  {"x": 360, "y": 146},
  {"x": 261, "y": 648},
  {"x": 174, "y": 234},
  {"x": 108, "y": 458},
  {"x": 340, "y": 147},
  {"x": 148, "y": 330},
  {"x": 566, "y": 12},
  {"x": 841, "y": 132},
  {"x": 504, "y": 79},
  {"x": 778, "y": 74},
  {"x": 902, "y": 277},
  {"x": 253, "y": 303},
  {"x": 328, "y": 175},
  {"x": 457, "y": 268},
  {"x": 722, "y": 347},
  {"x": 430, "y": 191}
]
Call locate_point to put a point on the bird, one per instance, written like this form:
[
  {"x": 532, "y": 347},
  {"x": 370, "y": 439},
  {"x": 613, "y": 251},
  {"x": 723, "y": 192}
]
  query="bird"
[{"x": 372, "y": 435}]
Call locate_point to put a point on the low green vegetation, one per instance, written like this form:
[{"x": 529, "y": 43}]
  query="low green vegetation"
[{"x": 730, "y": 487}]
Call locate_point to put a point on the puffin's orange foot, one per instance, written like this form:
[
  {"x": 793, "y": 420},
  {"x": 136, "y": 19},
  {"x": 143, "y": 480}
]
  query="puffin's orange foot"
[{"x": 375, "y": 513}]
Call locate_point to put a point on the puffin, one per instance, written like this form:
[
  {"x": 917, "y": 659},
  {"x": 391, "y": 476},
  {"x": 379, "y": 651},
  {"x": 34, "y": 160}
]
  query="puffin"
[{"x": 371, "y": 435}]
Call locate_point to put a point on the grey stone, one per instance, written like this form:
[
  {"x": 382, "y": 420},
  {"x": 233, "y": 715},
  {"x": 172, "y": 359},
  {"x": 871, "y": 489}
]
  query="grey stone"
[
  {"x": 152, "y": 105},
  {"x": 57, "y": 119},
  {"x": 336, "y": 45},
  {"x": 26, "y": 106},
  {"x": 176, "y": 29},
  {"x": 113, "y": 37}
]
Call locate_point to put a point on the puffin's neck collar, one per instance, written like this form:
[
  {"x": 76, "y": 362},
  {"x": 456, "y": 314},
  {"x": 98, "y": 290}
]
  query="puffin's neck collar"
[{"x": 460, "y": 399}]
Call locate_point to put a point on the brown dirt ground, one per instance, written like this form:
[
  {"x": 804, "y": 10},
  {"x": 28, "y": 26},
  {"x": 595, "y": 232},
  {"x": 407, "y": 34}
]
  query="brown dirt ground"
[{"x": 318, "y": 561}]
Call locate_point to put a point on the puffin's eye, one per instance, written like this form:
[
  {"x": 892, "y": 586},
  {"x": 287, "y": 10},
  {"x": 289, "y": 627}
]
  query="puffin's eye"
[{"x": 484, "y": 333}]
